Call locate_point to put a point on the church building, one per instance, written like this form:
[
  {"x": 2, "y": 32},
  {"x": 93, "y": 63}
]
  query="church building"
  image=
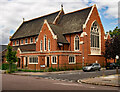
[{"x": 60, "y": 40}]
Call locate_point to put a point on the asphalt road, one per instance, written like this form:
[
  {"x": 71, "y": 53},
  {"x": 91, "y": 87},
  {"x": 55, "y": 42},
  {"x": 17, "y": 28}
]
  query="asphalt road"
[
  {"x": 16, "y": 82},
  {"x": 74, "y": 76}
]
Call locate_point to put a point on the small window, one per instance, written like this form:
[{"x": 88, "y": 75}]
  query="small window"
[
  {"x": 21, "y": 41},
  {"x": 41, "y": 45},
  {"x": 54, "y": 59},
  {"x": 33, "y": 60},
  {"x": 36, "y": 39},
  {"x": 13, "y": 43},
  {"x": 49, "y": 44},
  {"x": 26, "y": 40},
  {"x": 17, "y": 42},
  {"x": 31, "y": 40},
  {"x": 71, "y": 59}
]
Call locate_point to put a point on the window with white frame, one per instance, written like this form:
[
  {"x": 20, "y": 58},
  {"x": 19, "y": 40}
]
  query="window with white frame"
[
  {"x": 36, "y": 39},
  {"x": 31, "y": 40},
  {"x": 33, "y": 60},
  {"x": 49, "y": 44},
  {"x": 95, "y": 35},
  {"x": 41, "y": 45},
  {"x": 17, "y": 42},
  {"x": 22, "y": 41},
  {"x": 71, "y": 59},
  {"x": 45, "y": 42},
  {"x": 54, "y": 59},
  {"x": 26, "y": 40},
  {"x": 76, "y": 42},
  {"x": 13, "y": 43}
]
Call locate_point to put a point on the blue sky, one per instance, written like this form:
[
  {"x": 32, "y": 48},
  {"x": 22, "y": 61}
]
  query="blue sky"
[{"x": 13, "y": 11}]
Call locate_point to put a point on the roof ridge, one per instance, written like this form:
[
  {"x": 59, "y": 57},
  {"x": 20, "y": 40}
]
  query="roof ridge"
[
  {"x": 41, "y": 16},
  {"x": 78, "y": 10}
]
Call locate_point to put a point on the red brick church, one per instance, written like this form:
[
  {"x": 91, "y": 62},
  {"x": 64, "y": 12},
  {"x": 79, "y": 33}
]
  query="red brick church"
[{"x": 60, "y": 39}]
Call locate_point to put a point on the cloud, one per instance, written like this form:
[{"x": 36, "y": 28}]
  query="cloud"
[{"x": 13, "y": 11}]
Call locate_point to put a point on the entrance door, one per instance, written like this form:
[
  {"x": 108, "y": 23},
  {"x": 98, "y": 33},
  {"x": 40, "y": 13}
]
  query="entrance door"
[
  {"x": 26, "y": 61},
  {"x": 47, "y": 61},
  {"x": 18, "y": 62}
]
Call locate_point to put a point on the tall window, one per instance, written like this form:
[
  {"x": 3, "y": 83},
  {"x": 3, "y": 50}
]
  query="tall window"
[
  {"x": 17, "y": 42},
  {"x": 13, "y": 43},
  {"x": 31, "y": 40},
  {"x": 76, "y": 43},
  {"x": 26, "y": 40},
  {"x": 41, "y": 45},
  {"x": 45, "y": 42},
  {"x": 49, "y": 44},
  {"x": 21, "y": 41},
  {"x": 71, "y": 59},
  {"x": 33, "y": 60},
  {"x": 95, "y": 35}
]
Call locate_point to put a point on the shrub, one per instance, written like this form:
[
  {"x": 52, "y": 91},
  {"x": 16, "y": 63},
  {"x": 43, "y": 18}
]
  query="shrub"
[{"x": 5, "y": 66}]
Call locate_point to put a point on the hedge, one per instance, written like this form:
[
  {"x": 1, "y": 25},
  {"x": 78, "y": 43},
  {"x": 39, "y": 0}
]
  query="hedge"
[{"x": 5, "y": 66}]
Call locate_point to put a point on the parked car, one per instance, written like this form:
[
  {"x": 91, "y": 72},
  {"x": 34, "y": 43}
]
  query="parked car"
[
  {"x": 92, "y": 67},
  {"x": 112, "y": 66}
]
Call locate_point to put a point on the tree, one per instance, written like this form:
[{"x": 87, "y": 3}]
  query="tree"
[
  {"x": 11, "y": 57},
  {"x": 112, "y": 46}
]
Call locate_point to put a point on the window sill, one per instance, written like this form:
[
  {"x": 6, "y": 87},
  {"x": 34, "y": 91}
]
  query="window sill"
[
  {"x": 33, "y": 63},
  {"x": 72, "y": 63}
]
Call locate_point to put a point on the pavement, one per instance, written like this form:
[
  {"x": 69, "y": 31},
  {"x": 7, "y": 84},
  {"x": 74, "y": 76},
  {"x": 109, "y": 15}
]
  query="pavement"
[
  {"x": 108, "y": 80},
  {"x": 111, "y": 80}
]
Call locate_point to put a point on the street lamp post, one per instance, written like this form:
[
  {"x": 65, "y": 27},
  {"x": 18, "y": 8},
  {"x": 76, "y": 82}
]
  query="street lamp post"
[
  {"x": 117, "y": 57},
  {"x": 82, "y": 42}
]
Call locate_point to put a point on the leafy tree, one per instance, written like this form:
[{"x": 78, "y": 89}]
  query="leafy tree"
[
  {"x": 112, "y": 46},
  {"x": 11, "y": 57}
]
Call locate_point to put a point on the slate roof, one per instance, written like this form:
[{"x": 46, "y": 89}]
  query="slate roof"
[
  {"x": 58, "y": 31},
  {"x": 32, "y": 27},
  {"x": 68, "y": 23},
  {"x": 73, "y": 22}
]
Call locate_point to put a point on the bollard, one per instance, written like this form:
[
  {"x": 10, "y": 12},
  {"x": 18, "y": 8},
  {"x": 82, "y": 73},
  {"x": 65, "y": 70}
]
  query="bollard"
[{"x": 116, "y": 70}]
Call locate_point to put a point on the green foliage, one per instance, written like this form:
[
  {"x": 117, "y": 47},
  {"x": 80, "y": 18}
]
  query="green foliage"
[
  {"x": 11, "y": 57},
  {"x": 115, "y": 32},
  {"x": 52, "y": 69},
  {"x": 26, "y": 70},
  {"x": 5, "y": 66}
]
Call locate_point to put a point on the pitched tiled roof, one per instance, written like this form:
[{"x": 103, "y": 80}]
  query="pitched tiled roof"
[
  {"x": 58, "y": 31},
  {"x": 32, "y": 27},
  {"x": 73, "y": 22}
]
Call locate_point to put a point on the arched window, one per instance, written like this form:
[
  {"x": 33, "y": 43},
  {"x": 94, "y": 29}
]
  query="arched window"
[
  {"x": 95, "y": 35},
  {"x": 76, "y": 43}
]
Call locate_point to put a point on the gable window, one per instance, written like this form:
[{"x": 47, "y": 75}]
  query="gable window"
[
  {"x": 49, "y": 44},
  {"x": 13, "y": 43},
  {"x": 45, "y": 42},
  {"x": 17, "y": 42},
  {"x": 31, "y": 40},
  {"x": 21, "y": 41},
  {"x": 54, "y": 59},
  {"x": 95, "y": 35},
  {"x": 71, "y": 59},
  {"x": 36, "y": 39},
  {"x": 33, "y": 60},
  {"x": 41, "y": 45},
  {"x": 26, "y": 40},
  {"x": 76, "y": 45}
]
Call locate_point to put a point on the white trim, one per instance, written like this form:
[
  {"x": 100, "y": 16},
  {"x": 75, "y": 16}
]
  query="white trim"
[
  {"x": 74, "y": 59},
  {"x": 21, "y": 41},
  {"x": 83, "y": 34},
  {"x": 16, "y": 42},
  {"x": 25, "y": 40},
  {"x": 19, "y": 50},
  {"x": 52, "y": 60},
  {"x": 32, "y": 56},
  {"x": 54, "y": 36},
  {"x": 84, "y": 25}
]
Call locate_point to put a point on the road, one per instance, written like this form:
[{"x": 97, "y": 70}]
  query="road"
[
  {"x": 16, "y": 82},
  {"x": 74, "y": 76}
]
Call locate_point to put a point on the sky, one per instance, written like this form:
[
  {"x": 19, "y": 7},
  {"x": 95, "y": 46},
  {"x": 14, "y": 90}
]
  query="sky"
[{"x": 12, "y": 12}]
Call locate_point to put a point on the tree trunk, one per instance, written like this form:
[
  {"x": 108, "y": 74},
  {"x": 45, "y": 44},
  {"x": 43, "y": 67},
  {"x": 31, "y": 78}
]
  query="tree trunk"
[{"x": 10, "y": 68}]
